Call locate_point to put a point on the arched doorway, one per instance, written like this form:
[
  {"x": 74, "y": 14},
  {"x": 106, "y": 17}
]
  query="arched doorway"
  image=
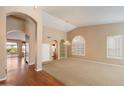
[
  {"x": 54, "y": 50},
  {"x": 25, "y": 13},
  {"x": 23, "y": 29}
]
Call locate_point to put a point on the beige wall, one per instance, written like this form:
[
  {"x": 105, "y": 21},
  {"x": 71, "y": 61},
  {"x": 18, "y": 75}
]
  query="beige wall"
[
  {"x": 95, "y": 37},
  {"x": 54, "y": 34}
]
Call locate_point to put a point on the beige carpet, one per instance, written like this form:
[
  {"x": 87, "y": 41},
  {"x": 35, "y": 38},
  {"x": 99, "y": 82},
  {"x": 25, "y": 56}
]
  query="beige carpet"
[{"x": 76, "y": 72}]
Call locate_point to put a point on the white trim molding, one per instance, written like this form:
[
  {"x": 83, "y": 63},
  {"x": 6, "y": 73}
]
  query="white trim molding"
[
  {"x": 38, "y": 69},
  {"x": 99, "y": 62},
  {"x": 31, "y": 64}
]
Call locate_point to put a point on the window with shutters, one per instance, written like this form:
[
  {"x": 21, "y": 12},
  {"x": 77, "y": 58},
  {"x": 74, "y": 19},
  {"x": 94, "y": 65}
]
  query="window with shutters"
[{"x": 114, "y": 47}]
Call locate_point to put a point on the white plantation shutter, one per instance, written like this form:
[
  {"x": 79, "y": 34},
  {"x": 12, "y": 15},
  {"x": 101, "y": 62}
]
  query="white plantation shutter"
[
  {"x": 114, "y": 47},
  {"x": 78, "y": 46}
]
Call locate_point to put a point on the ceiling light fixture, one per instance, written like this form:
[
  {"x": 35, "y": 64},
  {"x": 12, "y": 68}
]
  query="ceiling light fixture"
[{"x": 67, "y": 43}]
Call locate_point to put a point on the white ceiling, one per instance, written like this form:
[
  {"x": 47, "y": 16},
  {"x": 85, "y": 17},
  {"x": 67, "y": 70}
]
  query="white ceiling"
[
  {"x": 57, "y": 23},
  {"x": 77, "y": 16}
]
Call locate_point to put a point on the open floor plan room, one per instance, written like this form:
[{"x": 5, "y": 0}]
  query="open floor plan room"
[{"x": 62, "y": 46}]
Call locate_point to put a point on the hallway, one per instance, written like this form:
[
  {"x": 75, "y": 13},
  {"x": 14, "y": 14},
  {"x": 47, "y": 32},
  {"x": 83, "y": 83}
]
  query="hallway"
[{"x": 20, "y": 74}]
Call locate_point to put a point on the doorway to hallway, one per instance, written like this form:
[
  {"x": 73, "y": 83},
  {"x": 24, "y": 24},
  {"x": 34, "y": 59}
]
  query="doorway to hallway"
[
  {"x": 21, "y": 40},
  {"x": 54, "y": 50},
  {"x": 16, "y": 53}
]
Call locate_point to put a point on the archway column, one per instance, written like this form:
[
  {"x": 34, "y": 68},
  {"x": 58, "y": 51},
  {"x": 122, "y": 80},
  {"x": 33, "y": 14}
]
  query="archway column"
[
  {"x": 3, "y": 54},
  {"x": 30, "y": 29},
  {"x": 39, "y": 41}
]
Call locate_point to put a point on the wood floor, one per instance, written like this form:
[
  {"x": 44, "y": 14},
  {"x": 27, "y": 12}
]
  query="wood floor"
[{"x": 20, "y": 74}]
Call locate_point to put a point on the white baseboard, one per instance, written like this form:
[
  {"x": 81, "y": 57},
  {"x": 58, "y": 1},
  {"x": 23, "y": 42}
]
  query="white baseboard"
[
  {"x": 31, "y": 63},
  {"x": 100, "y": 62},
  {"x": 38, "y": 70},
  {"x": 46, "y": 61},
  {"x": 105, "y": 63},
  {"x": 2, "y": 79}
]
